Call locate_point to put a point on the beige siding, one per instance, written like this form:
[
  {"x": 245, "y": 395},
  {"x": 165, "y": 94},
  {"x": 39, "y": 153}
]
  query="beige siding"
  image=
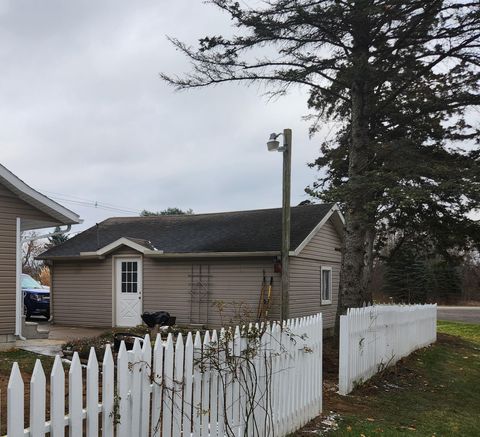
[
  {"x": 305, "y": 275},
  {"x": 234, "y": 283},
  {"x": 82, "y": 293},
  {"x": 11, "y": 207},
  {"x": 82, "y": 290}
]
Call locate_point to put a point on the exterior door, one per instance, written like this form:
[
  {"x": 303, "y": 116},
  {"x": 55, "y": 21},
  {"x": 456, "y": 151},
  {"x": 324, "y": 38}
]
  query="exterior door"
[{"x": 128, "y": 274}]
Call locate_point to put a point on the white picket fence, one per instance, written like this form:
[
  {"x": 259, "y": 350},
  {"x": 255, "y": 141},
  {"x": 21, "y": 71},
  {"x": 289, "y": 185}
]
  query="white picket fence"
[
  {"x": 377, "y": 336},
  {"x": 180, "y": 389}
]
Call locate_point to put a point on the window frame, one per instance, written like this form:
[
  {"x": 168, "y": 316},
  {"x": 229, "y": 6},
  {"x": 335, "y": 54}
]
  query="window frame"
[{"x": 329, "y": 300}]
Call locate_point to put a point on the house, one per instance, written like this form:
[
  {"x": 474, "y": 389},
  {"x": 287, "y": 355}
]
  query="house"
[
  {"x": 21, "y": 209},
  {"x": 191, "y": 265}
]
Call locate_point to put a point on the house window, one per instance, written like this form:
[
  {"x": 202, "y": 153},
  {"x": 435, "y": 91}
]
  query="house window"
[
  {"x": 129, "y": 276},
  {"x": 326, "y": 285}
]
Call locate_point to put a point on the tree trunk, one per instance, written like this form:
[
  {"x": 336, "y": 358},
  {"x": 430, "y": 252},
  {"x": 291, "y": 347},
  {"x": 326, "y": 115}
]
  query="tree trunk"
[{"x": 358, "y": 243}]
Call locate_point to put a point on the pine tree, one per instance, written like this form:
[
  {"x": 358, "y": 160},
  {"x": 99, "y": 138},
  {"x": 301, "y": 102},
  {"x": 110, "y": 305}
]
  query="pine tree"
[
  {"x": 399, "y": 78},
  {"x": 56, "y": 240}
]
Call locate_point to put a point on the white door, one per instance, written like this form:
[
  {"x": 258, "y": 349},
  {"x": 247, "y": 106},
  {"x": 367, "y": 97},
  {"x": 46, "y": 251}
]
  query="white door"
[{"x": 128, "y": 274}]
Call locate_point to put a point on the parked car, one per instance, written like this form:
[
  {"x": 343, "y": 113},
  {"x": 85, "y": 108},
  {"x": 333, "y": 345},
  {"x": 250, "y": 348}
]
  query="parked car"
[{"x": 36, "y": 298}]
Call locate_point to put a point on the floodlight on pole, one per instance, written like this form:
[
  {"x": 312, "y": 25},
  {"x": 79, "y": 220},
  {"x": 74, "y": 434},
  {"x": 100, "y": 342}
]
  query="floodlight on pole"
[{"x": 273, "y": 145}]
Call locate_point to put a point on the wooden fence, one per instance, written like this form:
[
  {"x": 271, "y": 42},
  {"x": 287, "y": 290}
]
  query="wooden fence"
[
  {"x": 374, "y": 337},
  {"x": 258, "y": 381}
]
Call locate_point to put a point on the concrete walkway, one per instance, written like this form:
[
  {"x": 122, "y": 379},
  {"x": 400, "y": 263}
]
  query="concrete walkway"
[
  {"x": 57, "y": 336},
  {"x": 459, "y": 314}
]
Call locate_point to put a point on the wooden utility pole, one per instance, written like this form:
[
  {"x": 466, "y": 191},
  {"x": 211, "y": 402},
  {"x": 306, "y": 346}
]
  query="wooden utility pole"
[{"x": 287, "y": 165}]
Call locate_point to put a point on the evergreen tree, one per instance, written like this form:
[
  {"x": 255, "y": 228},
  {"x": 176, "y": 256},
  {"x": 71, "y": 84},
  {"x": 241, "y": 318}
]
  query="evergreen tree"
[
  {"x": 168, "y": 211},
  {"x": 399, "y": 77},
  {"x": 56, "y": 240}
]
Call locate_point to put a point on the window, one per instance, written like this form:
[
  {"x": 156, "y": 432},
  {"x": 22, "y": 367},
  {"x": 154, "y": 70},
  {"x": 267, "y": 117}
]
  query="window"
[
  {"x": 129, "y": 276},
  {"x": 326, "y": 285}
]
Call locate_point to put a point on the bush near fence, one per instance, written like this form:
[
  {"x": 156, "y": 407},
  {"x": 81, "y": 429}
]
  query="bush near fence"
[
  {"x": 374, "y": 337},
  {"x": 182, "y": 388}
]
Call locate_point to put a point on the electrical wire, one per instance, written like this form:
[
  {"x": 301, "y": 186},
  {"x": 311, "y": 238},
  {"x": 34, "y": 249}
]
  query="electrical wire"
[{"x": 80, "y": 201}]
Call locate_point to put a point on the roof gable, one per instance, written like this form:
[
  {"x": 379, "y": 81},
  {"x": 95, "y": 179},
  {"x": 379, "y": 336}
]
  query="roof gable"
[
  {"x": 142, "y": 246},
  {"x": 338, "y": 221}
]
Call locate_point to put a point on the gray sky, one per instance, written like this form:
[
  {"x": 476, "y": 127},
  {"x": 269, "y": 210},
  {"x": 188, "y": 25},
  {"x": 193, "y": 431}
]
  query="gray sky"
[{"x": 85, "y": 116}]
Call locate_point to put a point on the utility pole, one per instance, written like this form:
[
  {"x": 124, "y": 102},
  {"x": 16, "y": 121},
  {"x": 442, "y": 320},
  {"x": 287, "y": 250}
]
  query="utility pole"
[
  {"x": 273, "y": 145},
  {"x": 287, "y": 166}
]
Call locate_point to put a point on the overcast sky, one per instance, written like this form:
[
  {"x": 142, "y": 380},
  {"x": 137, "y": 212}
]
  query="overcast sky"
[{"x": 85, "y": 116}]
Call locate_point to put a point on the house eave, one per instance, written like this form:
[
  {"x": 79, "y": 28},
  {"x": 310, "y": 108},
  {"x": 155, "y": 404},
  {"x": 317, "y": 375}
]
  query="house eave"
[
  {"x": 158, "y": 255},
  {"x": 214, "y": 254},
  {"x": 59, "y": 213}
]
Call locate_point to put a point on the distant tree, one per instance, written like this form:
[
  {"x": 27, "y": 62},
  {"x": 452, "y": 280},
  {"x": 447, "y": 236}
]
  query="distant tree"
[
  {"x": 168, "y": 211},
  {"x": 398, "y": 78},
  {"x": 56, "y": 240},
  {"x": 30, "y": 250},
  {"x": 407, "y": 277}
]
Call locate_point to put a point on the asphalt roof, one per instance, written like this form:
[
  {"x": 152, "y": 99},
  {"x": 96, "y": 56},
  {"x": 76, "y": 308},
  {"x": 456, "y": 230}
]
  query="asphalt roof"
[{"x": 239, "y": 231}]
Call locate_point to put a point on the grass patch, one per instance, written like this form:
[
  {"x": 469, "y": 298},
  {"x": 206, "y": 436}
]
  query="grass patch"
[
  {"x": 466, "y": 331},
  {"x": 26, "y": 361},
  {"x": 433, "y": 392}
]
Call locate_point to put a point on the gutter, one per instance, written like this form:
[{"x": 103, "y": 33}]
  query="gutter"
[
  {"x": 213, "y": 254},
  {"x": 51, "y": 234},
  {"x": 161, "y": 255}
]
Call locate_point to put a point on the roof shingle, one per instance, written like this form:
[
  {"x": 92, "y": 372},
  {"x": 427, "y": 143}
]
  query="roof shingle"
[{"x": 240, "y": 231}]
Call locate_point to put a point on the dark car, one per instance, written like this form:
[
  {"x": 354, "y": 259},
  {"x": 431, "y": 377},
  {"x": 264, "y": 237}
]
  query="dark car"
[{"x": 36, "y": 298}]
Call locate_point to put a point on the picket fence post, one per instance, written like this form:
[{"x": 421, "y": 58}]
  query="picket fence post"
[{"x": 75, "y": 397}]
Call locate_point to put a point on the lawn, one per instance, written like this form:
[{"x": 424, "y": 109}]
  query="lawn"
[{"x": 433, "y": 392}]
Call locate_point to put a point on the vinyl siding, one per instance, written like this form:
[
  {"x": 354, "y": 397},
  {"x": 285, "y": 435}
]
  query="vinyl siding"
[
  {"x": 234, "y": 283},
  {"x": 305, "y": 296},
  {"x": 11, "y": 207},
  {"x": 82, "y": 290},
  {"x": 82, "y": 293}
]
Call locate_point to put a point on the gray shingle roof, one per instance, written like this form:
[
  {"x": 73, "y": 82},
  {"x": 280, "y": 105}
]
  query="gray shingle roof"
[{"x": 240, "y": 231}]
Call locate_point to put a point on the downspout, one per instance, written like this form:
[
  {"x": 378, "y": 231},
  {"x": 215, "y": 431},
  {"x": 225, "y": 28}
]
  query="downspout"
[{"x": 18, "y": 282}]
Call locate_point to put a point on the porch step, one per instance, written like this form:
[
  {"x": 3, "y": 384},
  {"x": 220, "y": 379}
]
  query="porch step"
[{"x": 31, "y": 330}]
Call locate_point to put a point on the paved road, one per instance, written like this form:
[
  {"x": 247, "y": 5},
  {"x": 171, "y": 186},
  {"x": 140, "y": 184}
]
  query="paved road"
[{"x": 459, "y": 314}]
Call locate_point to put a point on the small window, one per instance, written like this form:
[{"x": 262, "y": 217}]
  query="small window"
[
  {"x": 129, "y": 277},
  {"x": 326, "y": 285}
]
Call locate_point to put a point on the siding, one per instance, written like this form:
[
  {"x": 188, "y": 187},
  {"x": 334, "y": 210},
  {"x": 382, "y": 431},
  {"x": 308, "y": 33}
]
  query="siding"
[
  {"x": 11, "y": 207},
  {"x": 305, "y": 275},
  {"x": 236, "y": 283},
  {"x": 82, "y": 290},
  {"x": 82, "y": 293}
]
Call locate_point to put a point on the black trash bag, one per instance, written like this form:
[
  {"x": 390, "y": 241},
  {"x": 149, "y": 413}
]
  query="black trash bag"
[{"x": 160, "y": 318}]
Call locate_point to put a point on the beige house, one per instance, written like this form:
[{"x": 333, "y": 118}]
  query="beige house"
[
  {"x": 193, "y": 265},
  {"x": 21, "y": 209}
]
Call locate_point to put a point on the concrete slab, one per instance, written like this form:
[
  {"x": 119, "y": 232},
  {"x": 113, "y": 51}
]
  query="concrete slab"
[
  {"x": 66, "y": 333},
  {"x": 57, "y": 336},
  {"x": 41, "y": 346}
]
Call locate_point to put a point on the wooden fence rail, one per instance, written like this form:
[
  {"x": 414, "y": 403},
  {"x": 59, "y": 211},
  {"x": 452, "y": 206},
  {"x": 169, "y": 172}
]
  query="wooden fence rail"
[
  {"x": 253, "y": 381},
  {"x": 374, "y": 337}
]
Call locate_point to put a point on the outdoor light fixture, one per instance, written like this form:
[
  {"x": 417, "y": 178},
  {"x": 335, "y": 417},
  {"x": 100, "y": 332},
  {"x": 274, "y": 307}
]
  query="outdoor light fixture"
[{"x": 273, "y": 145}]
